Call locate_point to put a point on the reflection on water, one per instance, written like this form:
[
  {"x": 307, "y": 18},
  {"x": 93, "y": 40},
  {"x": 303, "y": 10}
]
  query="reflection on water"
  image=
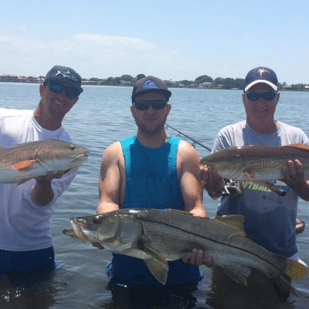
[
  {"x": 260, "y": 292},
  {"x": 27, "y": 290},
  {"x": 126, "y": 298}
]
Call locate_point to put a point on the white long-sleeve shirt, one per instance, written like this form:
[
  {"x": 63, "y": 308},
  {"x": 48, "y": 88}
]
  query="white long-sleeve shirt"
[{"x": 24, "y": 225}]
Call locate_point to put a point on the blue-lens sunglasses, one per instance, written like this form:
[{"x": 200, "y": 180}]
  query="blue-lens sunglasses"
[
  {"x": 144, "y": 105},
  {"x": 267, "y": 96},
  {"x": 71, "y": 94}
]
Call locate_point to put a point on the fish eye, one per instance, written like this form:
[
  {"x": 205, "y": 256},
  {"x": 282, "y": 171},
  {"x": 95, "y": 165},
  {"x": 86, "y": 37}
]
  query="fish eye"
[
  {"x": 96, "y": 220},
  {"x": 72, "y": 147}
]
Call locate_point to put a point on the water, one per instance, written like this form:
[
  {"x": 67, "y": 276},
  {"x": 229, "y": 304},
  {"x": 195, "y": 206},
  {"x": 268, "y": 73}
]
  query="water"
[{"x": 101, "y": 117}]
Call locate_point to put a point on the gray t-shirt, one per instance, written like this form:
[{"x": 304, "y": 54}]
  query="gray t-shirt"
[{"x": 270, "y": 219}]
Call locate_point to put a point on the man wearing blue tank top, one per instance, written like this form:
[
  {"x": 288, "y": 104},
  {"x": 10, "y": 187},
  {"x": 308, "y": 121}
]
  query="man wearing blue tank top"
[
  {"x": 270, "y": 219},
  {"x": 151, "y": 170}
]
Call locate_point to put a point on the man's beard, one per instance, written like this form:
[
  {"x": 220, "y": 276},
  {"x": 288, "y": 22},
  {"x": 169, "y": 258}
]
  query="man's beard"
[{"x": 151, "y": 131}]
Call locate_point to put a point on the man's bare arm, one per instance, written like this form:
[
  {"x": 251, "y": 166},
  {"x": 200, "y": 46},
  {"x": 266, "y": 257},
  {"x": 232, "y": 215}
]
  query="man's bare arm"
[{"x": 110, "y": 180}]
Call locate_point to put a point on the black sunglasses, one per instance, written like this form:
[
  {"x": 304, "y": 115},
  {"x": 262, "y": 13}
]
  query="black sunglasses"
[
  {"x": 71, "y": 94},
  {"x": 144, "y": 105},
  {"x": 267, "y": 96}
]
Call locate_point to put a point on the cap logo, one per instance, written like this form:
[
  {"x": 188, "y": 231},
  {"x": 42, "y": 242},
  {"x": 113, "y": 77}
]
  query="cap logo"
[
  {"x": 67, "y": 74},
  {"x": 262, "y": 71},
  {"x": 148, "y": 84}
]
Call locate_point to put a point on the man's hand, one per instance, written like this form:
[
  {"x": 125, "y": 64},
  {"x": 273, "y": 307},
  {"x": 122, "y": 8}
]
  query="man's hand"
[
  {"x": 212, "y": 182},
  {"x": 294, "y": 177},
  {"x": 300, "y": 226},
  {"x": 293, "y": 173},
  {"x": 197, "y": 258},
  {"x": 42, "y": 192}
]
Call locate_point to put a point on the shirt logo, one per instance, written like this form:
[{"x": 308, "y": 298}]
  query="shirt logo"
[
  {"x": 148, "y": 84},
  {"x": 262, "y": 71},
  {"x": 67, "y": 74}
]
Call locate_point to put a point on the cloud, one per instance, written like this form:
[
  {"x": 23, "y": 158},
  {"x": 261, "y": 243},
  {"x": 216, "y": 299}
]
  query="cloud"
[{"x": 93, "y": 55}]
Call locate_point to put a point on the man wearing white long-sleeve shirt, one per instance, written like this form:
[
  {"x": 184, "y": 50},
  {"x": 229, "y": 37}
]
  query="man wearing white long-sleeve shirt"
[{"x": 26, "y": 209}]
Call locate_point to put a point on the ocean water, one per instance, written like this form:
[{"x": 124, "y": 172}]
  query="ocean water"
[{"x": 101, "y": 117}]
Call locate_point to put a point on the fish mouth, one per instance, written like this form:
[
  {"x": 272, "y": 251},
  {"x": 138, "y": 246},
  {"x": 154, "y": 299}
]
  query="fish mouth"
[
  {"x": 81, "y": 158},
  {"x": 78, "y": 231}
]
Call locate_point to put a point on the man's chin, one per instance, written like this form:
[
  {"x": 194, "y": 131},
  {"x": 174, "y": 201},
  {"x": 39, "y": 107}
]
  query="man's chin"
[{"x": 151, "y": 131}]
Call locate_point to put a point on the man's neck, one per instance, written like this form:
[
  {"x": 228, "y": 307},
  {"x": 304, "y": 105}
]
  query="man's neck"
[
  {"x": 152, "y": 141},
  {"x": 45, "y": 121},
  {"x": 265, "y": 128}
]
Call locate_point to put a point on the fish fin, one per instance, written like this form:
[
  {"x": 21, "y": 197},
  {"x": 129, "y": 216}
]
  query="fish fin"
[
  {"x": 238, "y": 273},
  {"x": 154, "y": 254},
  {"x": 283, "y": 287},
  {"x": 158, "y": 269},
  {"x": 136, "y": 253},
  {"x": 234, "y": 221},
  {"x": 24, "y": 166},
  {"x": 296, "y": 270},
  {"x": 247, "y": 174},
  {"x": 157, "y": 264}
]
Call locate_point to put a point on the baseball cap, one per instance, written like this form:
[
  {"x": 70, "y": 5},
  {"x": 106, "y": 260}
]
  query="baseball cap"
[
  {"x": 65, "y": 76},
  {"x": 261, "y": 75},
  {"x": 150, "y": 84}
]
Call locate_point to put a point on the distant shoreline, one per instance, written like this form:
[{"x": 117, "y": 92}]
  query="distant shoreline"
[
  {"x": 170, "y": 86},
  {"x": 129, "y": 81}
]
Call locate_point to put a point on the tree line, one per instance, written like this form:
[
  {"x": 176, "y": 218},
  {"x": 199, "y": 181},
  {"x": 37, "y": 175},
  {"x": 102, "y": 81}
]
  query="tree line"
[{"x": 203, "y": 81}]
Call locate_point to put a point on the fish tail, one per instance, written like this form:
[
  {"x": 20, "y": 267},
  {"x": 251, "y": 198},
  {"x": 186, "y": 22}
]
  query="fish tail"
[
  {"x": 295, "y": 270},
  {"x": 283, "y": 287}
]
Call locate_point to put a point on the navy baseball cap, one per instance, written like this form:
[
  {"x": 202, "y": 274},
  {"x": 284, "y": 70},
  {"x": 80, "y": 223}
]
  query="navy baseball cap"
[
  {"x": 150, "y": 84},
  {"x": 65, "y": 76},
  {"x": 261, "y": 75}
]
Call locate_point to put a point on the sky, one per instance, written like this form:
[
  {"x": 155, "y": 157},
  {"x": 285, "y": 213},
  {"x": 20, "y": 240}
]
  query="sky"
[{"x": 172, "y": 40}]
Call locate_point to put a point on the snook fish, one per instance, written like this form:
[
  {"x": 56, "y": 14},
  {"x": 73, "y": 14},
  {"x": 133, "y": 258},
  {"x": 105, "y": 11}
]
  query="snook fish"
[
  {"x": 257, "y": 163},
  {"x": 158, "y": 236},
  {"x": 20, "y": 163}
]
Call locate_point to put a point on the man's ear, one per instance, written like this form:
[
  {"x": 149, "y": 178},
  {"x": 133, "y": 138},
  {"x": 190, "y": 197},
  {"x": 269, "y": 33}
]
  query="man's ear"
[{"x": 41, "y": 88}]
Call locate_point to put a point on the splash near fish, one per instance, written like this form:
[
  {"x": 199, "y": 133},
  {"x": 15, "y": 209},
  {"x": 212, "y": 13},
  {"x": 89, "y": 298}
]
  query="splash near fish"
[
  {"x": 259, "y": 164},
  {"x": 158, "y": 236},
  {"x": 23, "y": 162}
]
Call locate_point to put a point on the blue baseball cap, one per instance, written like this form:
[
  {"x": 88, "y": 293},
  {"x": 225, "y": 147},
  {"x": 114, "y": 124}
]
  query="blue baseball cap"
[
  {"x": 261, "y": 75},
  {"x": 150, "y": 84}
]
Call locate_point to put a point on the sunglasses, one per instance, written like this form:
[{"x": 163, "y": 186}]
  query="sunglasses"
[
  {"x": 144, "y": 105},
  {"x": 71, "y": 94},
  {"x": 267, "y": 96}
]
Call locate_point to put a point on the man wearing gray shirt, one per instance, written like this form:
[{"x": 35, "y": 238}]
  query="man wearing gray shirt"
[{"x": 270, "y": 219}]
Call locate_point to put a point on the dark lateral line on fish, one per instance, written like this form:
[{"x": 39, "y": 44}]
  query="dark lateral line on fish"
[{"x": 213, "y": 240}]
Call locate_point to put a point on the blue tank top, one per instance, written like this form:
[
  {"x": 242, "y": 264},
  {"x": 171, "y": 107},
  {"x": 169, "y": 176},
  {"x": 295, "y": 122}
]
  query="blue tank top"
[
  {"x": 151, "y": 182},
  {"x": 151, "y": 175}
]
